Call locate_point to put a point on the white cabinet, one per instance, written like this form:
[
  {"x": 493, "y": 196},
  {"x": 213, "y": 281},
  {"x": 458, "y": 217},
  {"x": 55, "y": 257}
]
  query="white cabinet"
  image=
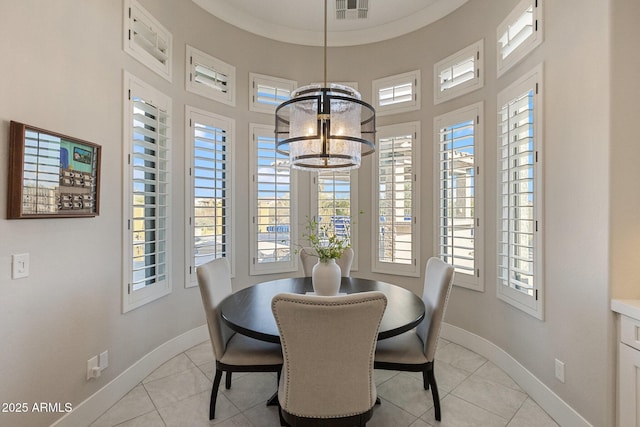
[
  {"x": 628, "y": 394},
  {"x": 628, "y": 386}
]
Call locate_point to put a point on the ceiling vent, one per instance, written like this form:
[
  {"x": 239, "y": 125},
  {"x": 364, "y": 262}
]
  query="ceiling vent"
[{"x": 352, "y": 9}]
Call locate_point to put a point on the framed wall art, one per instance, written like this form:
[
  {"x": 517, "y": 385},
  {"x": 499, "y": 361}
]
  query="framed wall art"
[{"x": 51, "y": 175}]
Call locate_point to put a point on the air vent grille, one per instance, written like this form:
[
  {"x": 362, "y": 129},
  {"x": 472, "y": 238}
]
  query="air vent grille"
[{"x": 352, "y": 9}]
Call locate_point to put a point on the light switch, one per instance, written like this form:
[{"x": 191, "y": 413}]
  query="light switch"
[{"x": 20, "y": 266}]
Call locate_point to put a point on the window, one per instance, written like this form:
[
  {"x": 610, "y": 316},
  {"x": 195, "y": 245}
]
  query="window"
[
  {"x": 273, "y": 205},
  {"x": 459, "y": 237},
  {"x": 336, "y": 204},
  {"x": 147, "y": 136},
  {"x": 210, "y": 77},
  {"x": 268, "y": 92},
  {"x": 396, "y": 245},
  {"x": 519, "y": 33},
  {"x": 397, "y": 94},
  {"x": 520, "y": 276},
  {"x": 209, "y": 190},
  {"x": 459, "y": 73},
  {"x": 146, "y": 39}
]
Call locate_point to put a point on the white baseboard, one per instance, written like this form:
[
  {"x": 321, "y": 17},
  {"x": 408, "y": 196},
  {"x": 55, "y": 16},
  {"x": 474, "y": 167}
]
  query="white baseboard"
[
  {"x": 91, "y": 408},
  {"x": 557, "y": 408}
]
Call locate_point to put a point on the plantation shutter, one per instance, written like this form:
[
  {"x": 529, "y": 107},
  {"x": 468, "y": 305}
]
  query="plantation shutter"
[
  {"x": 517, "y": 225},
  {"x": 150, "y": 177},
  {"x": 456, "y": 235},
  {"x": 210, "y": 187}
]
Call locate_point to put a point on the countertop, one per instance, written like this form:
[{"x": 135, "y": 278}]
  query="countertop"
[{"x": 627, "y": 307}]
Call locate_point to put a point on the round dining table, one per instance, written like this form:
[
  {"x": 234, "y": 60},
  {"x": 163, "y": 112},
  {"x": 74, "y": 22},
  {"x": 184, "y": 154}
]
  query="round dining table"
[{"x": 248, "y": 311}]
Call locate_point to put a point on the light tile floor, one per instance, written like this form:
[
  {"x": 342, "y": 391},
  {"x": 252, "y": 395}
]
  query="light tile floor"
[{"x": 473, "y": 392}]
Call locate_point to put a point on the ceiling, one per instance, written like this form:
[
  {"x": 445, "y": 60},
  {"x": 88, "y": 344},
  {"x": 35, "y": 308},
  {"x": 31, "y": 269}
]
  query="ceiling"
[{"x": 302, "y": 22}]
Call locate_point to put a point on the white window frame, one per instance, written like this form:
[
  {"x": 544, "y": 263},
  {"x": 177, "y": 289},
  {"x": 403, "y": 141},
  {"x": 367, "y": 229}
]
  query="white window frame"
[
  {"x": 136, "y": 88},
  {"x": 411, "y": 78},
  {"x": 257, "y": 131},
  {"x": 215, "y": 66},
  {"x": 532, "y": 304},
  {"x": 473, "y": 279},
  {"x": 276, "y": 83},
  {"x": 146, "y": 39},
  {"x": 444, "y": 91},
  {"x": 379, "y": 266},
  {"x": 523, "y": 43},
  {"x": 353, "y": 207},
  {"x": 227, "y": 125}
]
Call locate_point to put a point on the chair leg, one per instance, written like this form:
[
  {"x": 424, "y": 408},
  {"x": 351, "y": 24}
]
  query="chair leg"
[
  {"x": 214, "y": 394},
  {"x": 425, "y": 378},
  {"x": 227, "y": 380},
  {"x": 282, "y": 420},
  {"x": 434, "y": 393}
]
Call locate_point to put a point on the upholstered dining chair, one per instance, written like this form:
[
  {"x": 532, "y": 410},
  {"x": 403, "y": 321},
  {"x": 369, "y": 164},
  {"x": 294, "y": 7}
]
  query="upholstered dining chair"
[
  {"x": 328, "y": 345},
  {"x": 233, "y": 352},
  {"x": 309, "y": 259},
  {"x": 415, "y": 350}
]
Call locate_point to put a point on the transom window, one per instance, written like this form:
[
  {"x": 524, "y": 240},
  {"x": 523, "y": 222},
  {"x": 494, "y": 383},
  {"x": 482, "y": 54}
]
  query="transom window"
[
  {"x": 397, "y": 94},
  {"x": 146, "y": 39},
  {"x": 459, "y": 73},
  {"x": 519, "y": 33},
  {"x": 210, "y": 77},
  {"x": 268, "y": 92}
]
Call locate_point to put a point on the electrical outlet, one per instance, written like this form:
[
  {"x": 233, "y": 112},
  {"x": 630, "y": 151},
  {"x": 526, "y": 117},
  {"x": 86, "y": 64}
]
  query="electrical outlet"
[
  {"x": 103, "y": 360},
  {"x": 560, "y": 370},
  {"x": 93, "y": 370}
]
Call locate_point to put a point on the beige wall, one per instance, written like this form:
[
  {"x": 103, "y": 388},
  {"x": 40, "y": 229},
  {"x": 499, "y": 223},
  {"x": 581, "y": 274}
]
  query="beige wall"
[
  {"x": 67, "y": 77},
  {"x": 625, "y": 150}
]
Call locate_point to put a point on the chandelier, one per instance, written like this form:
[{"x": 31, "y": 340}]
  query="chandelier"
[{"x": 325, "y": 127}]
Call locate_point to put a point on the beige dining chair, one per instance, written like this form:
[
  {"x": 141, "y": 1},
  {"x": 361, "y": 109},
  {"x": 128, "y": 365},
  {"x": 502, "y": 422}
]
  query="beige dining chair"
[
  {"x": 415, "y": 350},
  {"x": 233, "y": 352},
  {"x": 309, "y": 259},
  {"x": 328, "y": 345}
]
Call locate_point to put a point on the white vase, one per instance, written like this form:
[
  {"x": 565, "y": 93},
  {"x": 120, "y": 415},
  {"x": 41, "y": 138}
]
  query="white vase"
[{"x": 325, "y": 277}]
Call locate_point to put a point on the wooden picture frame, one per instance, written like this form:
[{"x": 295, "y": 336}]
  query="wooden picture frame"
[{"x": 51, "y": 175}]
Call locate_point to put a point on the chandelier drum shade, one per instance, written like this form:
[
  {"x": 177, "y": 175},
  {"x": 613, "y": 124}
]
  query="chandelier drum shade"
[{"x": 325, "y": 127}]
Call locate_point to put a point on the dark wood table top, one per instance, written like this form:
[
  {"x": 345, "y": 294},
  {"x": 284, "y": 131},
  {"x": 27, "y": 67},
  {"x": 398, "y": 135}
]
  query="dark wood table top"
[{"x": 248, "y": 311}]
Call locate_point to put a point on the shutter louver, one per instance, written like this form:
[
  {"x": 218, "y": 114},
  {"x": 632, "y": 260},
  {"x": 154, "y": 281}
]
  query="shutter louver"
[
  {"x": 459, "y": 73},
  {"x": 397, "y": 94},
  {"x": 149, "y": 41},
  {"x": 517, "y": 215},
  {"x": 516, "y": 33},
  {"x": 273, "y": 216},
  {"x": 334, "y": 201},
  {"x": 456, "y": 194},
  {"x": 146, "y": 39},
  {"x": 211, "y": 192},
  {"x": 267, "y": 92},
  {"x": 395, "y": 201},
  {"x": 210, "y": 77},
  {"x": 149, "y": 171},
  {"x": 519, "y": 33}
]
